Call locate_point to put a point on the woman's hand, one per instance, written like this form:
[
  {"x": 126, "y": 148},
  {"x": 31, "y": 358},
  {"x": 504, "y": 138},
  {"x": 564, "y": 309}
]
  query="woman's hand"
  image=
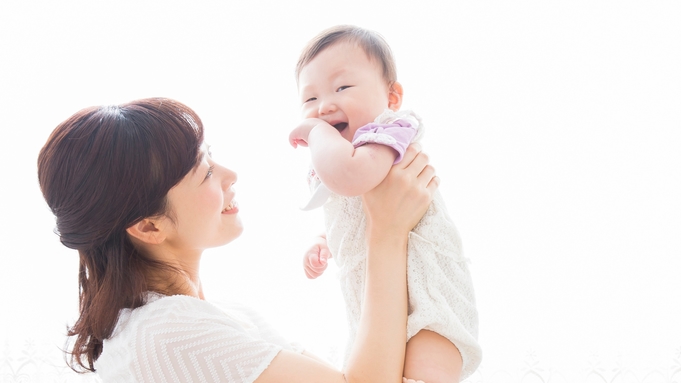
[{"x": 397, "y": 204}]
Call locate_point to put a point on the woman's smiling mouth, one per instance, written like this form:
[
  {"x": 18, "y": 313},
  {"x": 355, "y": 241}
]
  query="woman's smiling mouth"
[{"x": 231, "y": 208}]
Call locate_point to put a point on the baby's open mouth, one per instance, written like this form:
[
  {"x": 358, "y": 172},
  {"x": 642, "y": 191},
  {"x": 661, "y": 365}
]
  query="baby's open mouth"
[{"x": 340, "y": 126}]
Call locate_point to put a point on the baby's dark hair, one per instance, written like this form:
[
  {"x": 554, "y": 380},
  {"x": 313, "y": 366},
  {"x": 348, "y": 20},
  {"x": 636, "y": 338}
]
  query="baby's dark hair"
[{"x": 373, "y": 44}]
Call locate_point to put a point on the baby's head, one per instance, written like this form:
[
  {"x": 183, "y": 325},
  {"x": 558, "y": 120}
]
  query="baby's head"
[{"x": 346, "y": 77}]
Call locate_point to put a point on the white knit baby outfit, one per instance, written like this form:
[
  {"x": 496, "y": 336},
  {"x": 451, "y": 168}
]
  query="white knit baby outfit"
[{"x": 441, "y": 296}]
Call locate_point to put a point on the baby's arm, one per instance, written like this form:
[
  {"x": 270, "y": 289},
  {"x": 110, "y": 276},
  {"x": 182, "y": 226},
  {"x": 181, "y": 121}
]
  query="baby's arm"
[{"x": 344, "y": 169}]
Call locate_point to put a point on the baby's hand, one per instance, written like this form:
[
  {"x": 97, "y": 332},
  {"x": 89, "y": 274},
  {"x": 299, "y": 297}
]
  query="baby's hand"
[
  {"x": 298, "y": 136},
  {"x": 316, "y": 258}
]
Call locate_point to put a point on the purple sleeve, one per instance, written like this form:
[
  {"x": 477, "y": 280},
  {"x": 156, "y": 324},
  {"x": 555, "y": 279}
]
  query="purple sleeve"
[{"x": 397, "y": 135}]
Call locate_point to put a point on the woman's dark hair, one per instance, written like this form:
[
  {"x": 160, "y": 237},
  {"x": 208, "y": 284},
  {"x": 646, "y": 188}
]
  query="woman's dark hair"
[{"x": 101, "y": 171}]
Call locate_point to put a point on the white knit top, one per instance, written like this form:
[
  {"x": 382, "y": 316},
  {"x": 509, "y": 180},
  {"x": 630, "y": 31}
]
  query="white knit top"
[
  {"x": 441, "y": 294},
  {"x": 185, "y": 339}
]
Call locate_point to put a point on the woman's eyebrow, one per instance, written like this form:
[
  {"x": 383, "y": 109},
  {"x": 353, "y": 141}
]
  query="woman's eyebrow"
[{"x": 200, "y": 159}]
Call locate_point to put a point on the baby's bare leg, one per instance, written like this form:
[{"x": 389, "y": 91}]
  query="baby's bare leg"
[{"x": 432, "y": 358}]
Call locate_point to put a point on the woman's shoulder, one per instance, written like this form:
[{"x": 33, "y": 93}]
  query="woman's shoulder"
[
  {"x": 178, "y": 309},
  {"x": 175, "y": 328},
  {"x": 158, "y": 308},
  {"x": 156, "y": 304}
]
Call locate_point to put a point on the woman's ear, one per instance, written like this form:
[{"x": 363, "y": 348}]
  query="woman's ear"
[
  {"x": 395, "y": 96},
  {"x": 147, "y": 231}
]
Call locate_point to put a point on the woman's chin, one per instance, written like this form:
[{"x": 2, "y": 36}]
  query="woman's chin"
[{"x": 234, "y": 231}]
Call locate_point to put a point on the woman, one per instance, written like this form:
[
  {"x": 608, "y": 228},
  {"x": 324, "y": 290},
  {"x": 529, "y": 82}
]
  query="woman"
[{"x": 135, "y": 191}]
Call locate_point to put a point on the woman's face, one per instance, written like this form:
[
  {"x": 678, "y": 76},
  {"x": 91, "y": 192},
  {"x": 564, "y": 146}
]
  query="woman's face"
[{"x": 203, "y": 209}]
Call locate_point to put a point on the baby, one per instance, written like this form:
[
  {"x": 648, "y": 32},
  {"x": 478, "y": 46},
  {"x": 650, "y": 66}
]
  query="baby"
[{"x": 355, "y": 131}]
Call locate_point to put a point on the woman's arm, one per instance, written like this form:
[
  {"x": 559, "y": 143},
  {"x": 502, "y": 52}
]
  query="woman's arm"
[
  {"x": 381, "y": 336},
  {"x": 393, "y": 208}
]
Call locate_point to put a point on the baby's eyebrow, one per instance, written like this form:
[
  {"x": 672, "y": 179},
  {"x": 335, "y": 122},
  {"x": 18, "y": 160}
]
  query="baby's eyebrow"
[
  {"x": 337, "y": 73},
  {"x": 305, "y": 89}
]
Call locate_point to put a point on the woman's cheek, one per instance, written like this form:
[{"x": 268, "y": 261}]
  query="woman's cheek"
[{"x": 214, "y": 201}]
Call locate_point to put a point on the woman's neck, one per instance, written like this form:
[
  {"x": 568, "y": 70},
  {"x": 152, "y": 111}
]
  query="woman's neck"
[
  {"x": 175, "y": 282},
  {"x": 181, "y": 276}
]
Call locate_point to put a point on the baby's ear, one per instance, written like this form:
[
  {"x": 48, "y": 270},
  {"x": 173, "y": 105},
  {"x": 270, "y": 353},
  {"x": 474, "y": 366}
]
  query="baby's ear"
[{"x": 395, "y": 96}]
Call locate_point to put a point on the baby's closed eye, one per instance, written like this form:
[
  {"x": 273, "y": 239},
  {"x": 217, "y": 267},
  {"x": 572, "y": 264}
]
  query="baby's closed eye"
[{"x": 342, "y": 88}]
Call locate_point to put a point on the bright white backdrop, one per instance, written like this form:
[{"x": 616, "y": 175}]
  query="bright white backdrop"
[{"x": 555, "y": 127}]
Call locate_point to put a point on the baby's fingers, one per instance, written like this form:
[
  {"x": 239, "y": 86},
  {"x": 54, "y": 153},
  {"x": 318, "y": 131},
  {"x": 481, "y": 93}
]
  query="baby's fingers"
[
  {"x": 295, "y": 142},
  {"x": 324, "y": 254},
  {"x": 312, "y": 272},
  {"x": 315, "y": 263}
]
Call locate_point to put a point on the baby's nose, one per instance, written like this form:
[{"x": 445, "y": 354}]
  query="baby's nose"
[{"x": 326, "y": 108}]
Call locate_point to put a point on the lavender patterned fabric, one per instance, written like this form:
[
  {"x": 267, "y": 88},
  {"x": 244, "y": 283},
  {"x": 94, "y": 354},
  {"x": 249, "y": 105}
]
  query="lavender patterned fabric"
[{"x": 397, "y": 135}]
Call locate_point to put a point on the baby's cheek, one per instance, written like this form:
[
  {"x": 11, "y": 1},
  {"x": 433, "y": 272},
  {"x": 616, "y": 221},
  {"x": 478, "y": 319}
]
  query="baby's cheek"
[{"x": 308, "y": 112}]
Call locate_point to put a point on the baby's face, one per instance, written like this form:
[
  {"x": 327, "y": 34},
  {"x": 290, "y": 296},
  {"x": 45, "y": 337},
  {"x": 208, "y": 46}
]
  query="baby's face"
[{"x": 343, "y": 87}]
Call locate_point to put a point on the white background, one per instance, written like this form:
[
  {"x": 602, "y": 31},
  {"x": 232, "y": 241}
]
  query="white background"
[{"x": 555, "y": 127}]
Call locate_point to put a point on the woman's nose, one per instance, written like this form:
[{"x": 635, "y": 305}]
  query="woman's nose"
[{"x": 229, "y": 178}]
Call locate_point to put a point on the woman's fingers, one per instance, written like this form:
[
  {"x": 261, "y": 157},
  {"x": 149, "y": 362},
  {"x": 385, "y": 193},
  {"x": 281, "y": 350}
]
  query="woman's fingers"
[
  {"x": 433, "y": 184},
  {"x": 424, "y": 172},
  {"x": 403, "y": 197},
  {"x": 419, "y": 164},
  {"x": 412, "y": 151},
  {"x": 414, "y": 161},
  {"x": 426, "y": 175}
]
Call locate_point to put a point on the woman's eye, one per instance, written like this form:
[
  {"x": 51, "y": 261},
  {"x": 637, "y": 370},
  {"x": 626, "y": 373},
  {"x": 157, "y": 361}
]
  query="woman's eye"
[
  {"x": 210, "y": 171},
  {"x": 342, "y": 88}
]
